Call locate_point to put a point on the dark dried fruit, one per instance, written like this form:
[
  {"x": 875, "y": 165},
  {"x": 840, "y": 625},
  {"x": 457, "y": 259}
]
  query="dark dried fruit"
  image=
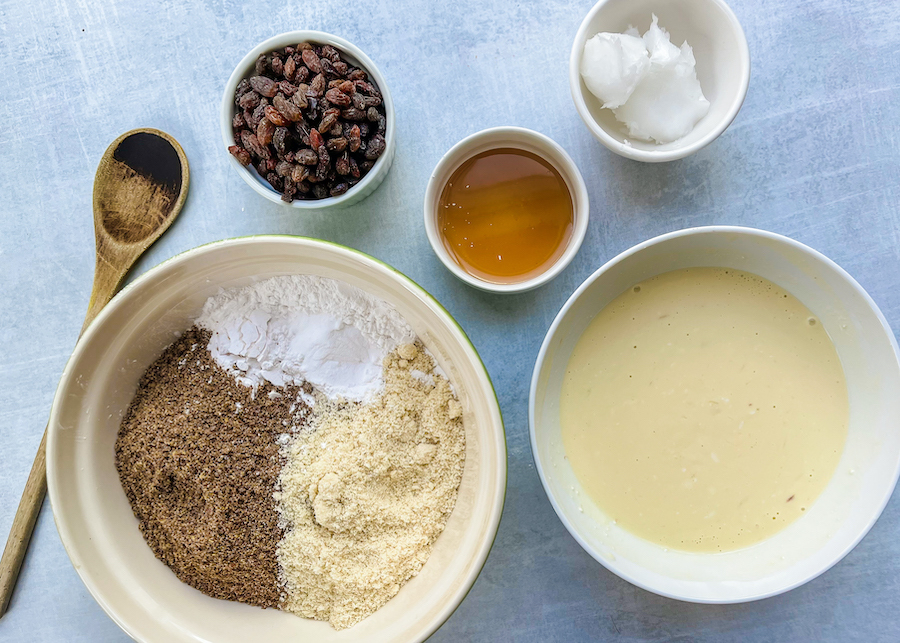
[
  {"x": 337, "y": 97},
  {"x": 311, "y": 60},
  {"x": 242, "y": 155},
  {"x": 315, "y": 139},
  {"x": 293, "y": 90},
  {"x": 275, "y": 116},
  {"x": 249, "y": 100},
  {"x": 287, "y": 88},
  {"x": 342, "y": 164},
  {"x": 317, "y": 85},
  {"x": 329, "y": 119},
  {"x": 336, "y": 144},
  {"x": 290, "y": 68},
  {"x": 287, "y": 109},
  {"x": 354, "y": 138},
  {"x": 280, "y": 139},
  {"x": 264, "y": 131},
  {"x": 353, "y": 114},
  {"x": 306, "y": 157},
  {"x": 331, "y": 53},
  {"x": 261, "y": 64},
  {"x": 339, "y": 189},
  {"x": 264, "y": 86},
  {"x": 277, "y": 66}
]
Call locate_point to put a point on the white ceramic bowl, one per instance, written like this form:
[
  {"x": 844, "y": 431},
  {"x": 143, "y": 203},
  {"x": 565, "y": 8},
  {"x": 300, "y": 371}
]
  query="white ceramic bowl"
[
  {"x": 523, "y": 139},
  {"x": 94, "y": 518},
  {"x": 723, "y": 68},
  {"x": 865, "y": 475},
  {"x": 354, "y": 55}
]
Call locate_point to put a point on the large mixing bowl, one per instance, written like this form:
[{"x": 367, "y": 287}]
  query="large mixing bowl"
[
  {"x": 95, "y": 520},
  {"x": 865, "y": 475}
]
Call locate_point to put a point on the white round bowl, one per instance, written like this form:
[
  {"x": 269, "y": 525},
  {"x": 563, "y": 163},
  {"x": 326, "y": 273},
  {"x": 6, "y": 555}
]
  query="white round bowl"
[
  {"x": 354, "y": 55},
  {"x": 94, "y": 517},
  {"x": 518, "y": 138},
  {"x": 866, "y": 473},
  {"x": 723, "y": 68}
]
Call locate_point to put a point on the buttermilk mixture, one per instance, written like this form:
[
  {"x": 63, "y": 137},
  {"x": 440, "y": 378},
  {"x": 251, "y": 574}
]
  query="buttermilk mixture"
[
  {"x": 297, "y": 448},
  {"x": 704, "y": 409}
]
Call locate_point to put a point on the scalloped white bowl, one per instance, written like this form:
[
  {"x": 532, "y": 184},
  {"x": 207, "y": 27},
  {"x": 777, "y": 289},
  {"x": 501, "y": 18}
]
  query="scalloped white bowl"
[{"x": 94, "y": 517}]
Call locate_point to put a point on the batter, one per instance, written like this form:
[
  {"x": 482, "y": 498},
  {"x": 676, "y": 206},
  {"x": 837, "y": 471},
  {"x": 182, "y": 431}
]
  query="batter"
[{"x": 704, "y": 409}]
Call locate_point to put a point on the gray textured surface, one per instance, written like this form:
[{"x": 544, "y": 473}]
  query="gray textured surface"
[{"x": 814, "y": 154}]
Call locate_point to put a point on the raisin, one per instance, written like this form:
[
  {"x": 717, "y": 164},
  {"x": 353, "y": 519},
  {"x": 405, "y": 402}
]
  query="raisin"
[
  {"x": 264, "y": 86},
  {"x": 265, "y": 131},
  {"x": 337, "y": 144},
  {"x": 328, "y": 68},
  {"x": 354, "y": 168},
  {"x": 331, "y": 53},
  {"x": 242, "y": 88},
  {"x": 315, "y": 139},
  {"x": 338, "y": 189},
  {"x": 275, "y": 181},
  {"x": 342, "y": 165},
  {"x": 301, "y": 75},
  {"x": 242, "y": 155},
  {"x": 299, "y": 99},
  {"x": 287, "y": 88},
  {"x": 363, "y": 130},
  {"x": 365, "y": 166},
  {"x": 317, "y": 85},
  {"x": 372, "y": 101},
  {"x": 280, "y": 139},
  {"x": 319, "y": 191},
  {"x": 303, "y": 45},
  {"x": 275, "y": 116},
  {"x": 357, "y": 74},
  {"x": 341, "y": 67},
  {"x": 249, "y": 100},
  {"x": 252, "y": 143},
  {"x": 353, "y": 114},
  {"x": 382, "y": 125},
  {"x": 311, "y": 60},
  {"x": 354, "y": 138},
  {"x": 329, "y": 118},
  {"x": 299, "y": 173},
  {"x": 337, "y": 97},
  {"x": 359, "y": 101},
  {"x": 287, "y": 109},
  {"x": 237, "y": 121},
  {"x": 302, "y": 133},
  {"x": 373, "y": 115},
  {"x": 277, "y": 65},
  {"x": 306, "y": 156},
  {"x": 283, "y": 168},
  {"x": 290, "y": 68},
  {"x": 261, "y": 65}
]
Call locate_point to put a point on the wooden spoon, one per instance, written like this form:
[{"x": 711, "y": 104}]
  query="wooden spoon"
[{"x": 139, "y": 189}]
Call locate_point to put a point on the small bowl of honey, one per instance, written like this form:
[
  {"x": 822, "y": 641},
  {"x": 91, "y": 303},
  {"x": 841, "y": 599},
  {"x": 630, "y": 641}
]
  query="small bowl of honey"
[{"x": 506, "y": 209}]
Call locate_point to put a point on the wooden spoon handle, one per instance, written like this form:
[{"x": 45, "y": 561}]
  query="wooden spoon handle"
[
  {"x": 106, "y": 281},
  {"x": 23, "y": 525}
]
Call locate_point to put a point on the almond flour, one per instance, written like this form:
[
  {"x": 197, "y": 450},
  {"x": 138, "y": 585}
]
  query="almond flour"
[{"x": 366, "y": 490}]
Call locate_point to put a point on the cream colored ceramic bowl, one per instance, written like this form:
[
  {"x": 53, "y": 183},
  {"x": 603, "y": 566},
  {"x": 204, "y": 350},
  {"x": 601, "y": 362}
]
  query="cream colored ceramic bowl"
[
  {"x": 93, "y": 515},
  {"x": 723, "y": 68},
  {"x": 865, "y": 475},
  {"x": 354, "y": 55}
]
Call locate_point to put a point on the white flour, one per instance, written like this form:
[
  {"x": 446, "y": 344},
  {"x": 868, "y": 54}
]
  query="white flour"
[{"x": 298, "y": 328}]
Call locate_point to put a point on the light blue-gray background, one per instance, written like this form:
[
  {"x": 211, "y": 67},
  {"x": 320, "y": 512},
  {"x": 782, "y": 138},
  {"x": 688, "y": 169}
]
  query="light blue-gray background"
[{"x": 813, "y": 154}]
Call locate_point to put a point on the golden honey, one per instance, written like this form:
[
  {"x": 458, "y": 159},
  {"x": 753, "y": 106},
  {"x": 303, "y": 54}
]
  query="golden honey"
[{"x": 505, "y": 215}]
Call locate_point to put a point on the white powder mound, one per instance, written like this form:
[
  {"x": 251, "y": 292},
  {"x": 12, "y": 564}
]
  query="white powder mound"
[{"x": 304, "y": 328}]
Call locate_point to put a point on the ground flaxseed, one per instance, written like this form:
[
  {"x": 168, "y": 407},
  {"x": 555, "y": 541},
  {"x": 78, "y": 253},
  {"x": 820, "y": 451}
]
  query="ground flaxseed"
[{"x": 198, "y": 457}]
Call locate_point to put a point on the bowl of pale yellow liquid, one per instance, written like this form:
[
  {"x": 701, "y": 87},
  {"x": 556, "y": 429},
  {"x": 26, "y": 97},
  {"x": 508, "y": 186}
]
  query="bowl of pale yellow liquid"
[{"x": 714, "y": 414}]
